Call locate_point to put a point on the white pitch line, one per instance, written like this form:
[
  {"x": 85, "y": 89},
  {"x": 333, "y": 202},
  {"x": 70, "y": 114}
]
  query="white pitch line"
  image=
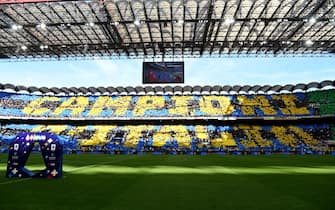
[
  {"x": 75, "y": 169},
  {"x": 15, "y": 181},
  {"x": 88, "y": 166},
  {"x": 93, "y": 165}
]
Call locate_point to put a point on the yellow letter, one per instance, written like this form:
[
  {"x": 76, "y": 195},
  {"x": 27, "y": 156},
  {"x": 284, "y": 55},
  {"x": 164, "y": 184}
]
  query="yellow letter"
[
  {"x": 248, "y": 105},
  {"x": 119, "y": 105},
  {"x": 135, "y": 133},
  {"x": 76, "y": 104},
  {"x": 181, "y": 105},
  {"x": 99, "y": 137},
  {"x": 145, "y": 103},
  {"x": 291, "y": 107},
  {"x": 34, "y": 107},
  {"x": 223, "y": 107},
  {"x": 283, "y": 136}
]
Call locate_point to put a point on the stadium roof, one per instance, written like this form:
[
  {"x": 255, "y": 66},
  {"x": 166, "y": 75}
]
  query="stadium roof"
[
  {"x": 169, "y": 90},
  {"x": 152, "y": 28}
]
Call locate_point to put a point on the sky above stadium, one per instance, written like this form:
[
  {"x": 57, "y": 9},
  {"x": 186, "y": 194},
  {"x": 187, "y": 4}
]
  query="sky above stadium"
[{"x": 203, "y": 71}]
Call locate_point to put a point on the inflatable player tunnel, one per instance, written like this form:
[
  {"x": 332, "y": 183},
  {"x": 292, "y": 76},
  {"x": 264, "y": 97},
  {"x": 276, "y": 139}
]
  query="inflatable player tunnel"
[{"x": 20, "y": 148}]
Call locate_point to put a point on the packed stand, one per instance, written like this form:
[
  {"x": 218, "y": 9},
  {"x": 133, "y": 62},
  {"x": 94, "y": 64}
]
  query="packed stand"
[
  {"x": 276, "y": 105},
  {"x": 190, "y": 139}
]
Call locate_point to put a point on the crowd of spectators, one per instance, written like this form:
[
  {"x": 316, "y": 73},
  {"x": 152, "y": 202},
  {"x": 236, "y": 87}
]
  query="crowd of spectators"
[
  {"x": 192, "y": 105},
  {"x": 118, "y": 136},
  {"x": 52, "y": 105},
  {"x": 9, "y": 103}
]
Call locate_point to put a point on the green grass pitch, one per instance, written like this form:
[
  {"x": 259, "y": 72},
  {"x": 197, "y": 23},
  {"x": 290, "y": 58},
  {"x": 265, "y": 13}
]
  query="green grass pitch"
[{"x": 150, "y": 182}]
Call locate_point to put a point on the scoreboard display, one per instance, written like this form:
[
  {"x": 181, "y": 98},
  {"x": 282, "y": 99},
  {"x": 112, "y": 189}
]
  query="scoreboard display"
[{"x": 163, "y": 72}]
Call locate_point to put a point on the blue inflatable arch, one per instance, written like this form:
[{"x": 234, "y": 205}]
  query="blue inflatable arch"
[{"x": 21, "y": 147}]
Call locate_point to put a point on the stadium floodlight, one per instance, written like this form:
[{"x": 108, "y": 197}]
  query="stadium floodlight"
[
  {"x": 16, "y": 27},
  {"x": 309, "y": 43},
  {"x": 43, "y": 26},
  {"x": 23, "y": 47},
  {"x": 137, "y": 22},
  {"x": 42, "y": 47},
  {"x": 253, "y": 20},
  {"x": 85, "y": 48},
  {"x": 312, "y": 20},
  {"x": 180, "y": 22},
  {"x": 229, "y": 21}
]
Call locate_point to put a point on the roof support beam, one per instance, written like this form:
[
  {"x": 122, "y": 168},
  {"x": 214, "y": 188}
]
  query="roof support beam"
[
  {"x": 237, "y": 37},
  {"x": 301, "y": 24},
  {"x": 167, "y": 44},
  {"x": 25, "y": 1},
  {"x": 229, "y": 28},
  {"x": 73, "y": 24},
  {"x": 315, "y": 9},
  {"x": 58, "y": 27},
  {"x": 317, "y": 31},
  {"x": 167, "y": 28},
  {"x": 160, "y": 21},
  {"x": 172, "y": 29},
  {"x": 111, "y": 30},
  {"x": 42, "y": 12},
  {"x": 183, "y": 38},
  {"x": 195, "y": 25},
  {"x": 36, "y": 41},
  {"x": 208, "y": 23},
  {"x": 148, "y": 26},
  {"x": 219, "y": 26},
  {"x": 94, "y": 31},
  {"x": 161, "y": 48},
  {"x": 280, "y": 22},
  {"x": 265, "y": 24},
  {"x": 125, "y": 25},
  {"x": 138, "y": 29}
]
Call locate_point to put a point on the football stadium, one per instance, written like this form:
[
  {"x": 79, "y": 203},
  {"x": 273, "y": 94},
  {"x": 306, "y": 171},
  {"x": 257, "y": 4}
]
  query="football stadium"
[{"x": 165, "y": 142}]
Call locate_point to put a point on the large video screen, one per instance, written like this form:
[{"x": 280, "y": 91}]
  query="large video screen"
[{"x": 163, "y": 72}]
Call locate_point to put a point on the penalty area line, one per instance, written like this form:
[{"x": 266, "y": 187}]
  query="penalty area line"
[
  {"x": 25, "y": 179},
  {"x": 15, "y": 181},
  {"x": 92, "y": 165},
  {"x": 75, "y": 169}
]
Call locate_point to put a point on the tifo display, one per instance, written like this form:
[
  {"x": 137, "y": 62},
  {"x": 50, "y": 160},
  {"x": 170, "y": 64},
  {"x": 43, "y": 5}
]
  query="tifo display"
[
  {"x": 176, "y": 124},
  {"x": 139, "y": 106}
]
